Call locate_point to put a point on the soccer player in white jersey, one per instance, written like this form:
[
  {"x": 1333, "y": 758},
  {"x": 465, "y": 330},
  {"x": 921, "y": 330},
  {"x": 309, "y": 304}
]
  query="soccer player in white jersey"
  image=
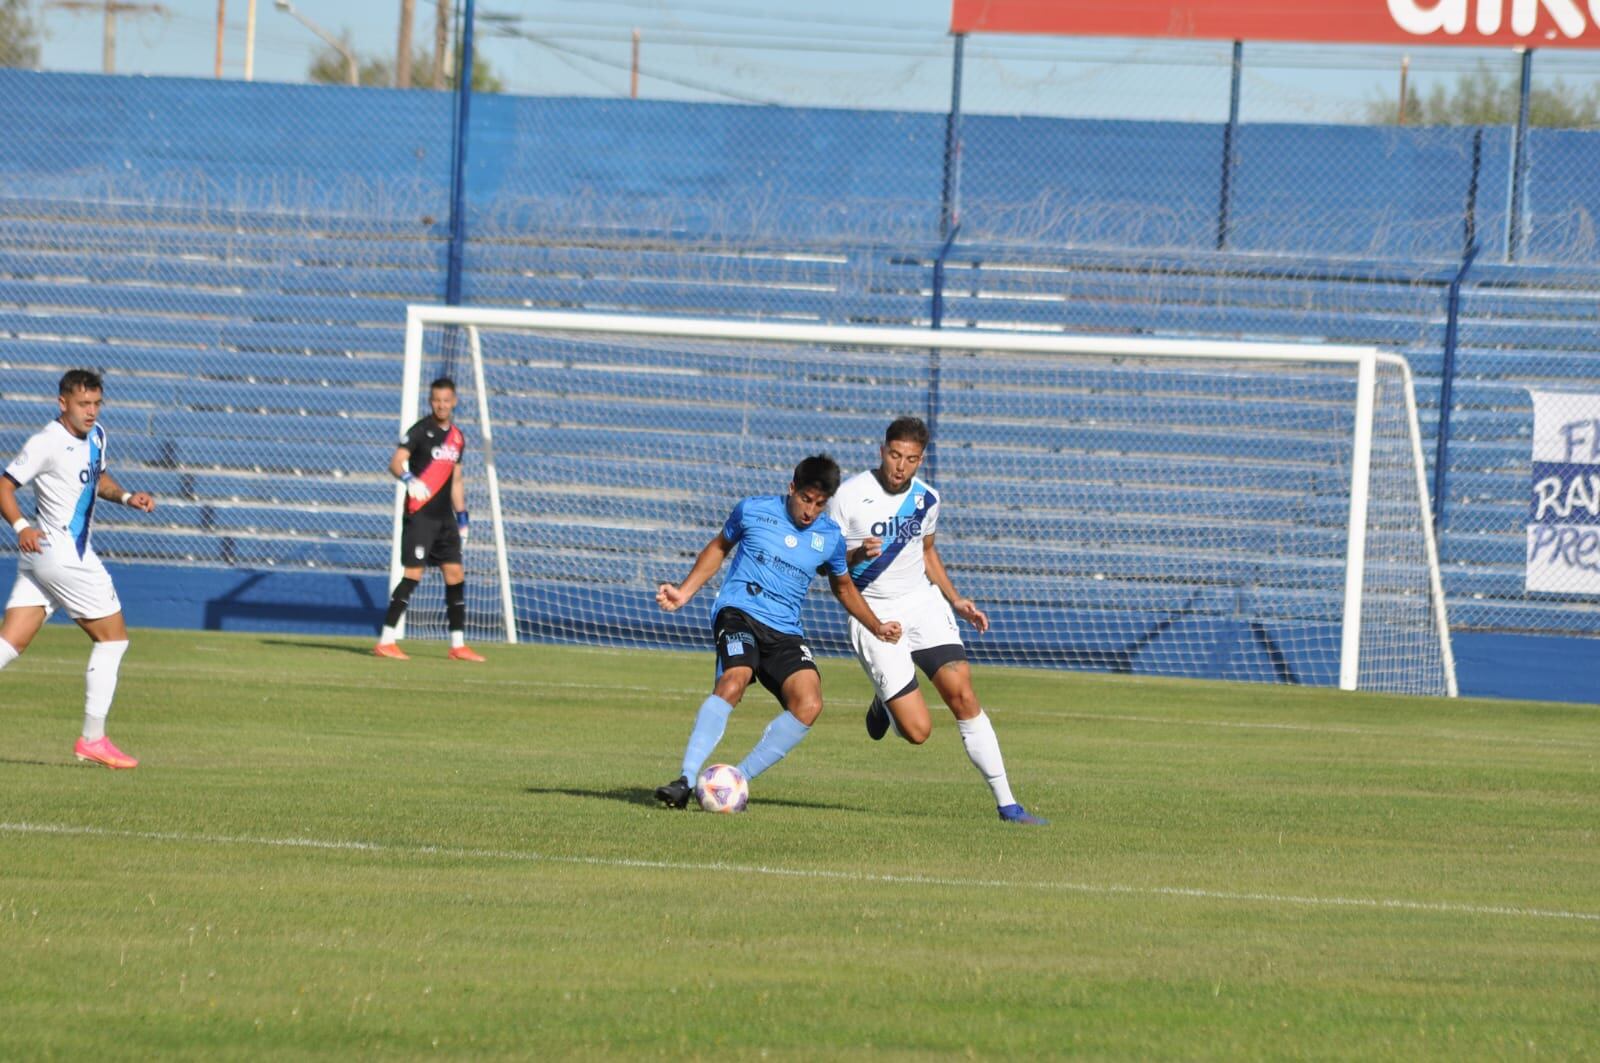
[
  {"x": 56, "y": 563},
  {"x": 889, "y": 516}
]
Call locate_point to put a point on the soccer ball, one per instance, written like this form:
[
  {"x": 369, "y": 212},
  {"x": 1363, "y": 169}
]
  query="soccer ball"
[{"x": 722, "y": 788}]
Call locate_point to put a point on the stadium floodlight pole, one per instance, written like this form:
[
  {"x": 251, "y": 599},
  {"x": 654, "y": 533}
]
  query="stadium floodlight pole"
[
  {"x": 1365, "y": 360},
  {"x": 351, "y": 66}
]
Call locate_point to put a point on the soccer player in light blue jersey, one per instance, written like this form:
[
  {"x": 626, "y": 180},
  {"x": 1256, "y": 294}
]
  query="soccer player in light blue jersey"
[
  {"x": 889, "y": 516},
  {"x": 778, "y": 544},
  {"x": 57, "y": 567}
]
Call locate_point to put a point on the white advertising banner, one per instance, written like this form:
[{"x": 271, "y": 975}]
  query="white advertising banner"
[{"x": 1564, "y": 511}]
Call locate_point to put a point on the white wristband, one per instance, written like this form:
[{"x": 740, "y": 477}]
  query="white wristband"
[
  {"x": 20, "y": 525},
  {"x": 125, "y": 496}
]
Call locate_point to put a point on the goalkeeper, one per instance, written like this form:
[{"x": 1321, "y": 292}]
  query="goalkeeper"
[{"x": 427, "y": 461}]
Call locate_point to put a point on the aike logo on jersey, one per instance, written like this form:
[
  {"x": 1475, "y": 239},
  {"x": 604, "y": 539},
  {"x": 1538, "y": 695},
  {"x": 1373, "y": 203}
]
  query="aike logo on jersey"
[
  {"x": 901, "y": 529},
  {"x": 446, "y": 453},
  {"x": 898, "y": 529}
]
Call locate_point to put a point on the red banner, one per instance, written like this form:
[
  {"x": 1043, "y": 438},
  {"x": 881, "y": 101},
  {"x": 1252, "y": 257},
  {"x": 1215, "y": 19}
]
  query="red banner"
[{"x": 1529, "y": 23}]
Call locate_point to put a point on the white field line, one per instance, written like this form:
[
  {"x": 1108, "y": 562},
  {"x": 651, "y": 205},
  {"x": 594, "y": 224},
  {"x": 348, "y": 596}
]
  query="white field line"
[
  {"x": 1099, "y": 889},
  {"x": 695, "y": 693}
]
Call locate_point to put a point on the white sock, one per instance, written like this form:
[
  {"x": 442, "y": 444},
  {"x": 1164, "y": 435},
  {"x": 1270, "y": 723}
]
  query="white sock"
[
  {"x": 8, "y": 653},
  {"x": 100, "y": 685},
  {"x": 458, "y": 639},
  {"x": 387, "y": 636},
  {"x": 983, "y": 748}
]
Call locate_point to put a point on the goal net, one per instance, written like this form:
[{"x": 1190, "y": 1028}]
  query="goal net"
[{"x": 1207, "y": 509}]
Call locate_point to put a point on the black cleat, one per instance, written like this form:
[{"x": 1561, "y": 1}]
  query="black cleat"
[
  {"x": 877, "y": 720},
  {"x": 676, "y": 793}
]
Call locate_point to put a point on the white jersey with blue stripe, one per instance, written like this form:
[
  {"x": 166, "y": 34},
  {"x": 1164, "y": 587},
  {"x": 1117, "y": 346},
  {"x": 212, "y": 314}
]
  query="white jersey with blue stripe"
[
  {"x": 65, "y": 473},
  {"x": 866, "y": 511}
]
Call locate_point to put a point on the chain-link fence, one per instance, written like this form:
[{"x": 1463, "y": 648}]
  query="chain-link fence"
[{"x": 238, "y": 256}]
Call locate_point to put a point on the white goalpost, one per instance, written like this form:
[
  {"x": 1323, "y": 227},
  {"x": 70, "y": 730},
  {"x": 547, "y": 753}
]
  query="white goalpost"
[{"x": 1209, "y": 508}]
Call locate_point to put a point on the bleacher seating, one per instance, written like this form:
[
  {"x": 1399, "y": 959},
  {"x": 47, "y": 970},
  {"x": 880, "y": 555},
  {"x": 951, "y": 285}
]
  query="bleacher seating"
[{"x": 253, "y": 384}]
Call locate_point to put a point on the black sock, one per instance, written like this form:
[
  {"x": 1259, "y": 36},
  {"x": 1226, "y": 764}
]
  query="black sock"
[
  {"x": 398, "y": 601},
  {"x": 455, "y": 606}
]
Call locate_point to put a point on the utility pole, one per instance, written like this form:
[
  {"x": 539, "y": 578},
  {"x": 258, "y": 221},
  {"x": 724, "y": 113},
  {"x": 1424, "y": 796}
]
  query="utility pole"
[
  {"x": 250, "y": 40},
  {"x": 633, "y": 73},
  {"x": 222, "y": 17},
  {"x": 1405, "y": 68},
  {"x": 441, "y": 40},
  {"x": 111, "y": 9},
  {"x": 402, "y": 57}
]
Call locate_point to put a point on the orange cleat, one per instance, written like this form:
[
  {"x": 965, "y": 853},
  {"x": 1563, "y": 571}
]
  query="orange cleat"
[
  {"x": 391, "y": 651},
  {"x": 465, "y": 653},
  {"x": 101, "y": 751}
]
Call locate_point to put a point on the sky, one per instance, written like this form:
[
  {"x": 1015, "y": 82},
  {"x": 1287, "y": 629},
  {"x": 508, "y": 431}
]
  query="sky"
[{"x": 893, "y": 54}]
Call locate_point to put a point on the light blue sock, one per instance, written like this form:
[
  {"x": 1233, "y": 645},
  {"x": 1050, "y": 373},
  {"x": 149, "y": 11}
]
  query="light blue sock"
[
  {"x": 782, "y": 734},
  {"x": 709, "y": 723}
]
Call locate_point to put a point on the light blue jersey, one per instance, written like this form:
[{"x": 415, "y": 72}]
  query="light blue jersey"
[{"x": 774, "y": 561}]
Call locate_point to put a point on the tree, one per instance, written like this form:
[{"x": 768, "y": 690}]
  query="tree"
[
  {"x": 1481, "y": 98},
  {"x": 329, "y": 68},
  {"x": 19, "y": 34}
]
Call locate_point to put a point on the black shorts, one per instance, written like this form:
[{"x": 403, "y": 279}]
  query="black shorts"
[
  {"x": 429, "y": 541},
  {"x": 743, "y": 642}
]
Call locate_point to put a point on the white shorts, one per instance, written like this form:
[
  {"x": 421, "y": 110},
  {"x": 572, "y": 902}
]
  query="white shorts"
[
  {"x": 56, "y": 577},
  {"x": 926, "y": 621}
]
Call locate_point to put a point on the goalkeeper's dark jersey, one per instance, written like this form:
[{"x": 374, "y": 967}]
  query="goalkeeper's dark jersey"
[{"x": 435, "y": 453}]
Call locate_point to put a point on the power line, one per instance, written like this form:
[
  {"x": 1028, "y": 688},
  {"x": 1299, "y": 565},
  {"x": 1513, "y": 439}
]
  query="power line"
[
  {"x": 669, "y": 10},
  {"x": 681, "y": 82}
]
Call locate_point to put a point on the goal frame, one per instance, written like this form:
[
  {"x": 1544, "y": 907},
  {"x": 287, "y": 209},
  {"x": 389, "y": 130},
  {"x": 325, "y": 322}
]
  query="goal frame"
[{"x": 1365, "y": 360}]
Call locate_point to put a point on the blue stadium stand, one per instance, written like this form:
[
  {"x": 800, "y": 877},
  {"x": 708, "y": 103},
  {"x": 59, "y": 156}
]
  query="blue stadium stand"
[{"x": 253, "y": 375}]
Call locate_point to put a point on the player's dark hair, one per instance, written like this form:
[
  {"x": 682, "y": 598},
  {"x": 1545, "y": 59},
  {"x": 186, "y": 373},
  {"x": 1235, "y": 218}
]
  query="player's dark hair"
[
  {"x": 442, "y": 382},
  {"x": 819, "y": 471},
  {"x": 906, "y": 430},
  {"x": 80, "y": 380}
]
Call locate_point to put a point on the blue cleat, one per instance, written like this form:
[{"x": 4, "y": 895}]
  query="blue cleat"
[
  {"x": 1018, "y": 814},
  {"x": 877, "y": 720}
]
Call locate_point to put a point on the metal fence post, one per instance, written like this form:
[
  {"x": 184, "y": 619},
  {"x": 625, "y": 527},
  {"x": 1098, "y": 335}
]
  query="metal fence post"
[
  {"x": 949, "y": 226},
  {"x": 1469, "y": 236},
  {"x": 1519, "y": 161},
  {"x": 1447, "y": 379},
  {"x": 1227, "y": 147},
  {"x": 950, "y": 193},
  {"x": 937, "y": 321},
  {"x": 458, "y": 161}
]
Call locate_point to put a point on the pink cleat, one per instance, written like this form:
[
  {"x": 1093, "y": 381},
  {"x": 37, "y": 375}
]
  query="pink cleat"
[
  {"x": 465, "y": 653},
  {"x": 391, "y": 651},
  {"x": 101, "y": 751}
]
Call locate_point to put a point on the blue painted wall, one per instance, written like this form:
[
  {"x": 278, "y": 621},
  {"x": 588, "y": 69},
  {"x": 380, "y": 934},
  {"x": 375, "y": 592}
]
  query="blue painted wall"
[{"x": 1541, "y": 668}]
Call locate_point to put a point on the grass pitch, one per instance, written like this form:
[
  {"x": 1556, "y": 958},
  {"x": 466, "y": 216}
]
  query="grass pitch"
[{"x": 327, "y": 854}]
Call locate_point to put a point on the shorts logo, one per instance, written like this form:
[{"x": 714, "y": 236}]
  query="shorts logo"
[
  {"x": 816, "y": 541},
  {"x": 735, "y": 646},
  {"x": 790, "y": 541},
  {"x": 805, "y": 653},
  {"x": 421, "y": 553}
]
